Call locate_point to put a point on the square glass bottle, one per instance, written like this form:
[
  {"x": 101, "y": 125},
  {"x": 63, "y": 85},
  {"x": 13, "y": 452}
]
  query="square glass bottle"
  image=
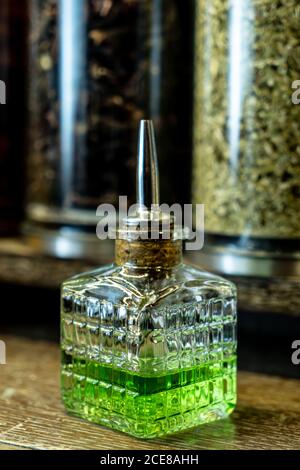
[{"x": 148, "y": 343}]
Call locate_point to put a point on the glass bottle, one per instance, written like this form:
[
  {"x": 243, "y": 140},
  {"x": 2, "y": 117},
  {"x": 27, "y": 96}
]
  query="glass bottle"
[
  {"x": 97, "y": 68},
  {"x": 246, "y": 143},
  {"x": 148, "y": 343}
]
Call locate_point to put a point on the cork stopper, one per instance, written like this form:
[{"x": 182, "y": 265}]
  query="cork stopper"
[{"x": 147, "y": 238}]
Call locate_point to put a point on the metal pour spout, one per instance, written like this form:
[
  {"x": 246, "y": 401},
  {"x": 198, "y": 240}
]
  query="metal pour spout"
[
  {"x": 147, "y": 167},
  {"x": 136, "y": 247}
]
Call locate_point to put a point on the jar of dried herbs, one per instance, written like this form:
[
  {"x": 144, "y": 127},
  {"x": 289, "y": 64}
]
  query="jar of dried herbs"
[
  {"x": 247, "y": 144},
  {"x": 97, "y": 68}
]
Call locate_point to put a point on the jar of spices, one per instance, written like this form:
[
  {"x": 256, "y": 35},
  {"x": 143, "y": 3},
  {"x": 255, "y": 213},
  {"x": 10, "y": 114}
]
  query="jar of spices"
[
  {"x": 97, "y": 68},
  {"x": 13, "y": 40},
  {"x": 247, "y": 144}
]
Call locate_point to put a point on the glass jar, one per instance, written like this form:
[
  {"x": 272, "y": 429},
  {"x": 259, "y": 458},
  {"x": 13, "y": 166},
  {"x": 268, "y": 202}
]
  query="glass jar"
[
  {"x": 13, "y": 33},
  {"x": 97, "y": 68},
  {"x": 247, "y": 144}
]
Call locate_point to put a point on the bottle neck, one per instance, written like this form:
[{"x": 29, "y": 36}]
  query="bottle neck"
[{"x": 164, "y": 254}]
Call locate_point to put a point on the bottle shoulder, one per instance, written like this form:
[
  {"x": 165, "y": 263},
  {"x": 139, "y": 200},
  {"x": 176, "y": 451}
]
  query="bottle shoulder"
[
  {"x": 196, "y": 285},
  {"x": 198, "y": 276},
  {"x": 183, "y": 284}
]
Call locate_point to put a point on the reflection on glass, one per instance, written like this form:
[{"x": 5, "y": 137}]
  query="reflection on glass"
[
  {"x": 72, "y": 46},
  {"x": 240, "y": 71}
]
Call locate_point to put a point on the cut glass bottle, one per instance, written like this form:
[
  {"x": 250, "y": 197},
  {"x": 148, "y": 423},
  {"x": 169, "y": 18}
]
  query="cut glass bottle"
[{"x": 148, "y": 343}]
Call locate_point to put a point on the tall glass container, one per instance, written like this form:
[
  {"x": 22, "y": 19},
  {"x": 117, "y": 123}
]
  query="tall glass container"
[
  {"x": 97, "y": 68},
  {"x": 13, "y": 33},
  {"x": 247, "y": 144}
]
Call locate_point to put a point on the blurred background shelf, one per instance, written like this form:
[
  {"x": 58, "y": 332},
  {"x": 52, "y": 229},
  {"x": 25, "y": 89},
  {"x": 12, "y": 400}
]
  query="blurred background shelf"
[{"x": 25, "y": 265}]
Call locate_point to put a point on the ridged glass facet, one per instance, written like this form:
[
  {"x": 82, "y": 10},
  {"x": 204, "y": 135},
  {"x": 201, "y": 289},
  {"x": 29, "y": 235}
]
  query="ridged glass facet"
[{"x": 148, "y": 353}]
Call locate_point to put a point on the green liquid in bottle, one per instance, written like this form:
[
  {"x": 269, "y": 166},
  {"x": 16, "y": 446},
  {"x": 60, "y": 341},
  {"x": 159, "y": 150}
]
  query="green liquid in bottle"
[{"x": 148, "y": 405}]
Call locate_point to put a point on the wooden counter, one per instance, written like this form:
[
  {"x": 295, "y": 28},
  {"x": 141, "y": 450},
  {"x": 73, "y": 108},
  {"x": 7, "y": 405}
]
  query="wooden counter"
[{"x": 32, "y": 417}]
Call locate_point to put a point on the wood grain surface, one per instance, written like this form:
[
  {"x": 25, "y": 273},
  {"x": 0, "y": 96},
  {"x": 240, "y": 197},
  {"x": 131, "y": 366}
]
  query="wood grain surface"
[
  {"x": 8, "y": 447},
  {"x": 32, "y": 417}
]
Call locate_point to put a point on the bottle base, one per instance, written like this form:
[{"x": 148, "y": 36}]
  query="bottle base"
[
  {"x": 149, "y": 406},
  {"x": 150, "y": 430}
]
